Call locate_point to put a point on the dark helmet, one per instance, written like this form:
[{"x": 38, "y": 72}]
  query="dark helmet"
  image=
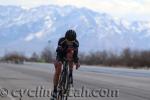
[{"x": 70, "y": 35}]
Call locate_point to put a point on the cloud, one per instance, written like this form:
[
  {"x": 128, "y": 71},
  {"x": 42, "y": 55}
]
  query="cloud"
[
  {"x": 32, "y": 36},
  {"x": 131, "y": 9},
  {"x": 29, "y": 37},
  {"x": 39, "y": 34},
  {"x": 135, "y": 9}
]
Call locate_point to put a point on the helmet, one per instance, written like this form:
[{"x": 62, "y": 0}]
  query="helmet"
[{"x": 70, "y": 35}]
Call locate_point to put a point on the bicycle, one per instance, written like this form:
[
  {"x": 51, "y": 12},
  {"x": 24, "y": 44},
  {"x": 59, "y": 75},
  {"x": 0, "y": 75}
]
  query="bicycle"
[{"x": 64, "y": 81}]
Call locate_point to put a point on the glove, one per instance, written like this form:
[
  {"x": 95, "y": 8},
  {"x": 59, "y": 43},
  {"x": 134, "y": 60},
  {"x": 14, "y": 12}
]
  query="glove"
[{"x": 77, "y": 65}]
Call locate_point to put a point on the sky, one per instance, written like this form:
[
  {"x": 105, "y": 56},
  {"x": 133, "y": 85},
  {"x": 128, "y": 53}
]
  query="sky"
[{"x": 127, "y": 9}]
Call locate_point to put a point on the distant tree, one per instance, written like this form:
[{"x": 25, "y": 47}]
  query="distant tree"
[
  {"x": 46, "y": 54},
  {"x": 145, "y": 59},
  {"x": 34, "y": 57},
  {"x": 127, "y": 57},
  {"x": 14, "y": 57}
]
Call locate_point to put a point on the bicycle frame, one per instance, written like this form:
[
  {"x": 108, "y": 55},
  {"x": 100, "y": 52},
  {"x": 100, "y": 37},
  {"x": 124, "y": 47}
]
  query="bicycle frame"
[{"x": 63, "y": 85}]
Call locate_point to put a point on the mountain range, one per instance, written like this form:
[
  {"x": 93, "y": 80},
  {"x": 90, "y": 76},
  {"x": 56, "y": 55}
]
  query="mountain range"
[{"x": 29, "y": 30}]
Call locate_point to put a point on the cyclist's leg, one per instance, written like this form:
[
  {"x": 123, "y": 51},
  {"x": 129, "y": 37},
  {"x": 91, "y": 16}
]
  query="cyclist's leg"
[{"x": 58, "y": 67}]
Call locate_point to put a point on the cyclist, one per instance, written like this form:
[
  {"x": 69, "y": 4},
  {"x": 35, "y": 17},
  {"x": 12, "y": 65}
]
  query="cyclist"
[{"x": 63, "y": 44}]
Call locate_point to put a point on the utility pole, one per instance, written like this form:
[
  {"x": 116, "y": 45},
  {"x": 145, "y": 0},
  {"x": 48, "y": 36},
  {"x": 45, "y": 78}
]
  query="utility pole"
[{"x": 51, "y": 48}]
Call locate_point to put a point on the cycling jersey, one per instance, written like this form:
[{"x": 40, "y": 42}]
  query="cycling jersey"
[{"x": 63, "y": 45}]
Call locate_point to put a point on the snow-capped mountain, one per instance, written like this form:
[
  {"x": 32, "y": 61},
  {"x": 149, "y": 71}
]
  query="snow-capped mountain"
[{"x": 29, "y": 30}]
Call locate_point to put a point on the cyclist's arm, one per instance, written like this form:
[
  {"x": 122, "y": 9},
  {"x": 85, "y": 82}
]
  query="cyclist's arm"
[
  {"x": 76, "y": 58},
  {"x": 59, "y": 47}
]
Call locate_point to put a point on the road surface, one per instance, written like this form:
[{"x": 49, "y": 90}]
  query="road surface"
[{"x": 28, "y": 81}]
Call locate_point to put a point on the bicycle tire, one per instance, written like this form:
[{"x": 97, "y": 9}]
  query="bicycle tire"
[{"x": 62, "y": 83}]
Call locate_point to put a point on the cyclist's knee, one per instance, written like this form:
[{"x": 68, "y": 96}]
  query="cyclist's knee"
[{"x": 58, "y": 65}]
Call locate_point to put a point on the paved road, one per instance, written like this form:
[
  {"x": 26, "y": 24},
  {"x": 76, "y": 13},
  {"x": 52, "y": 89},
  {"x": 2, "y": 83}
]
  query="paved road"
[{"x": 29, "y": 81}]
